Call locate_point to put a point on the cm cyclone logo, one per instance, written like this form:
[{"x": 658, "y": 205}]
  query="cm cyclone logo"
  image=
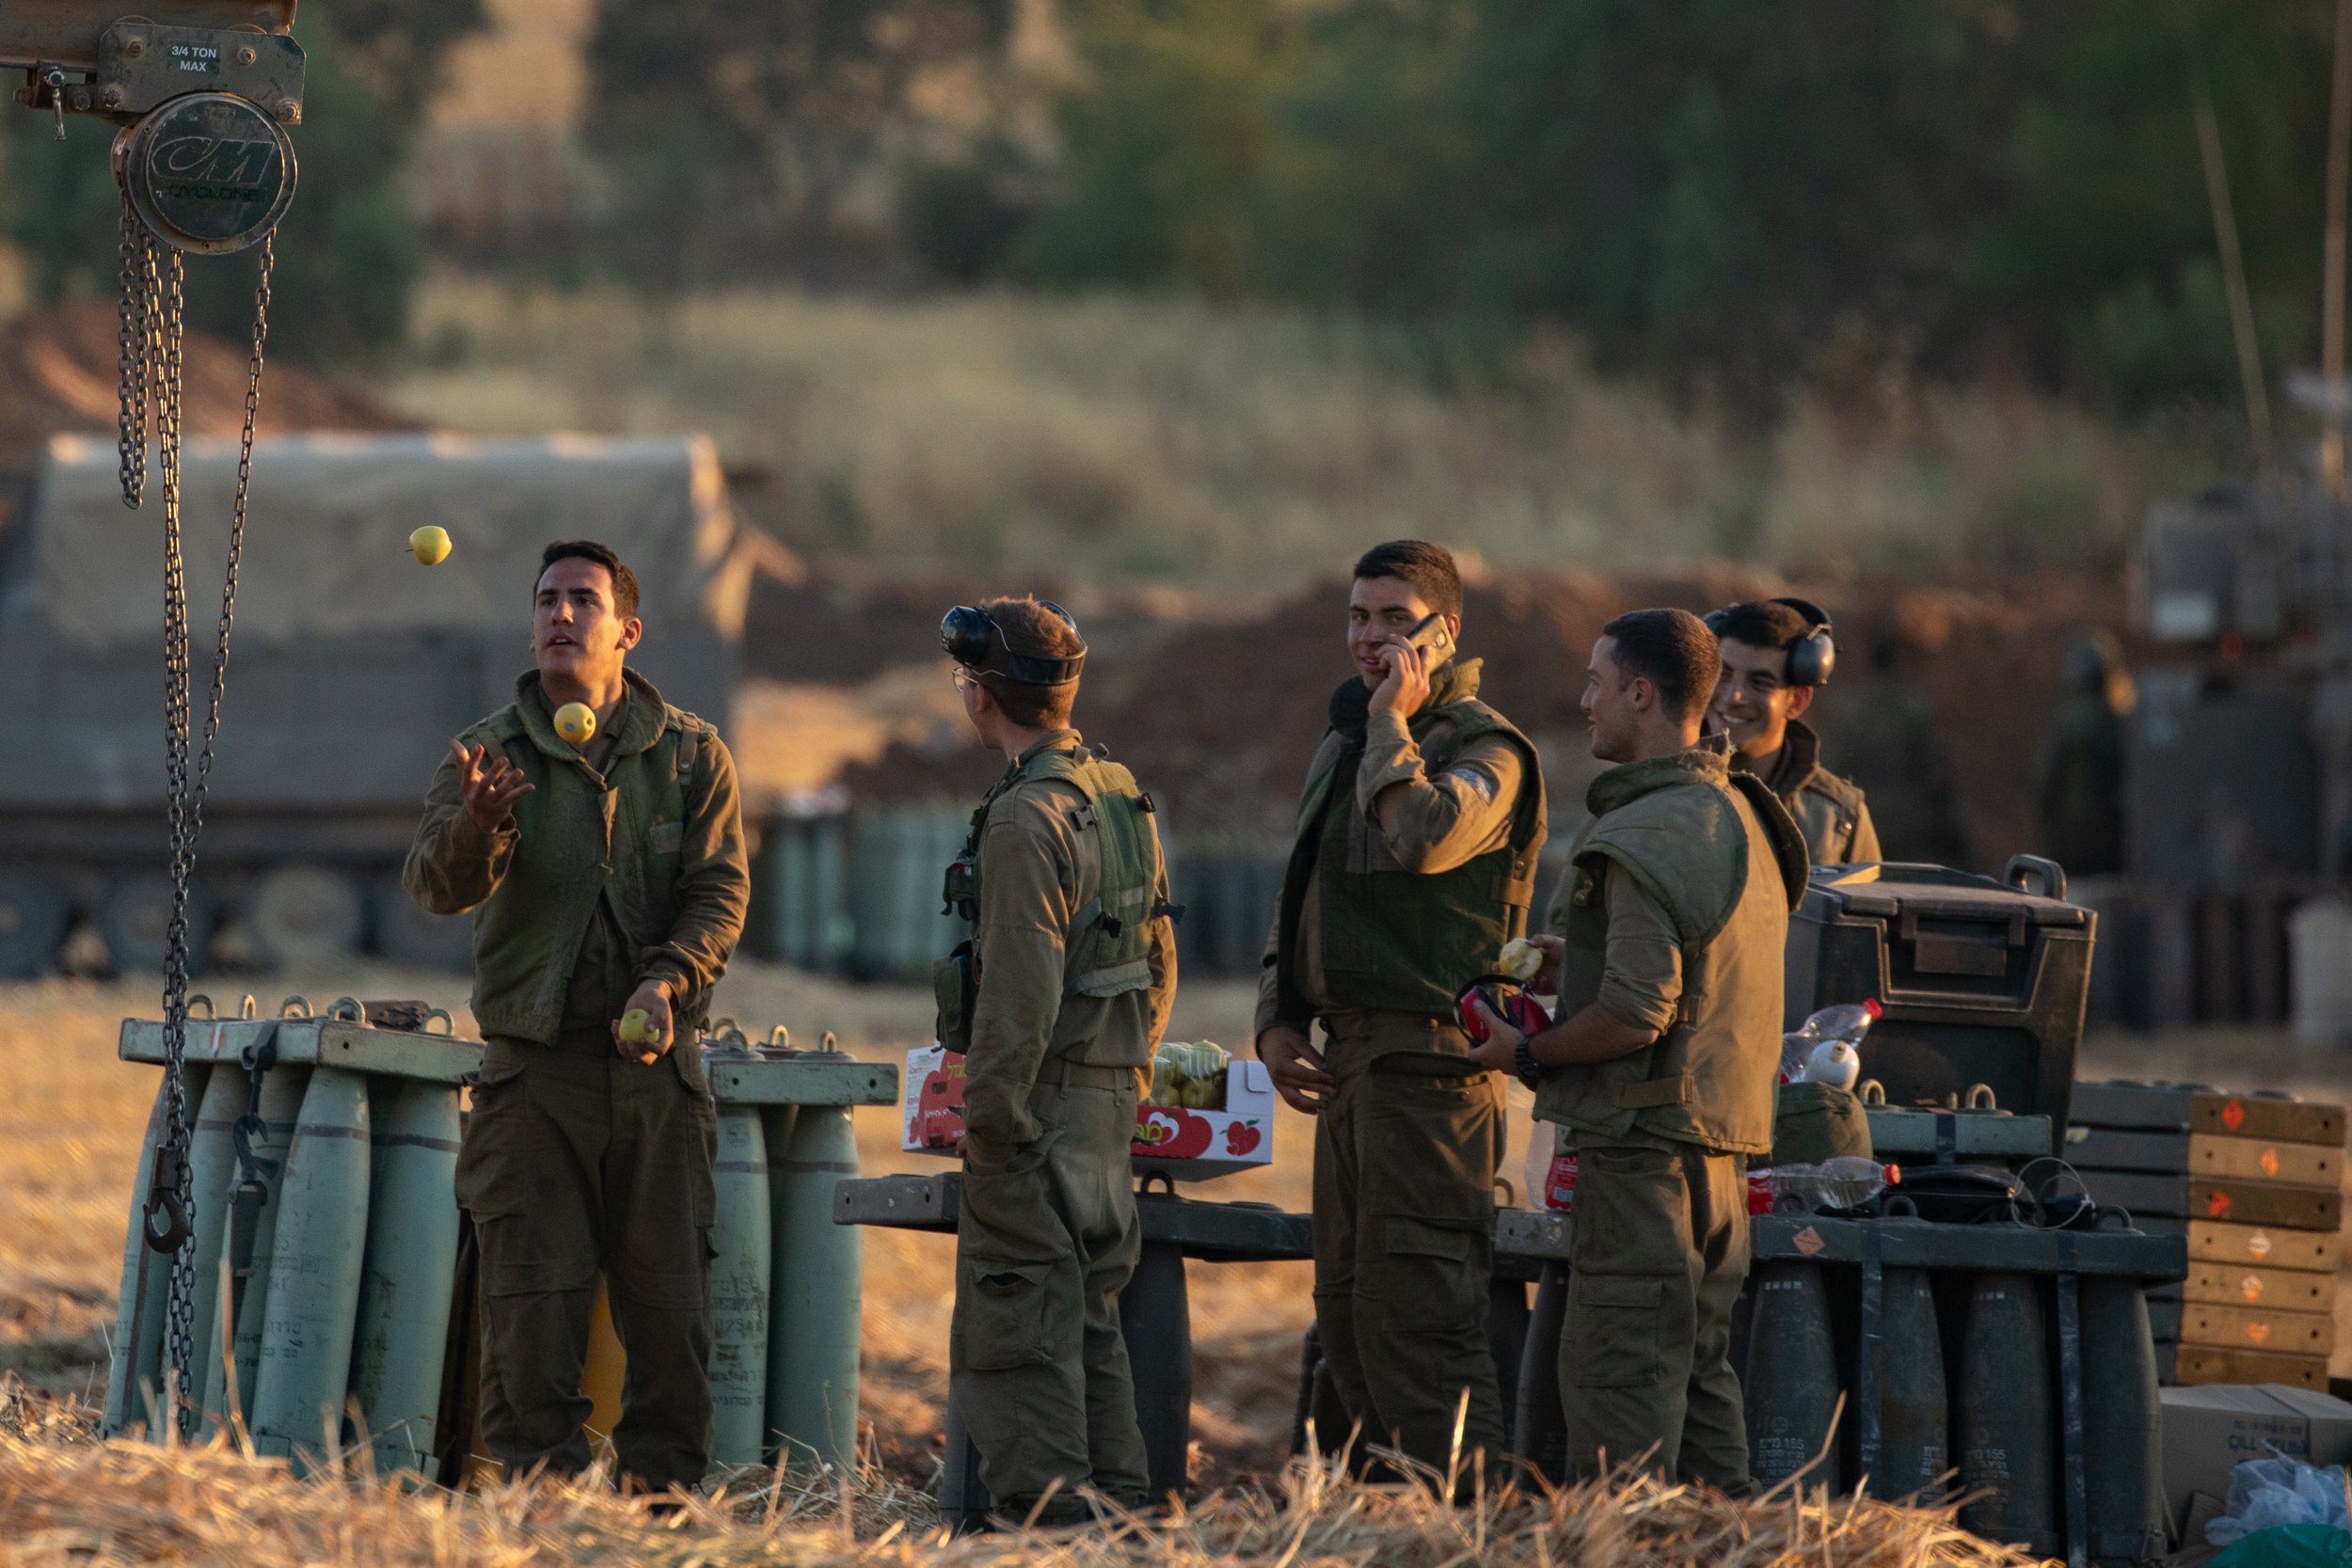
[
  {"x": 215, "y": 168},
  {"x": 209, "y": 172}
]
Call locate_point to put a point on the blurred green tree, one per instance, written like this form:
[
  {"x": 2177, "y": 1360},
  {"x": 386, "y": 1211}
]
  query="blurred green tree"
[
  {"x": 1741, "y": 195},
  {"x": 738, "y": 130},
  {"x": 347, "y": 254}
]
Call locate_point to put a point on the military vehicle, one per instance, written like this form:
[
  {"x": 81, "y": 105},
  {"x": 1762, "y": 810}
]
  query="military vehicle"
[{"x": 352, "y": 665}]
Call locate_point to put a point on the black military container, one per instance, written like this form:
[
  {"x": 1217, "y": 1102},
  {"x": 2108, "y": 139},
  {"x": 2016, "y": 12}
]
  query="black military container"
[{"x": 1983, "y": 980}]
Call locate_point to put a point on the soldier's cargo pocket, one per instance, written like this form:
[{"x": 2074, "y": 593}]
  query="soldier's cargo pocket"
[
  {"x": 1001, "y": 1315},
  {"x": 1615, "y": 1321},
  {"x": 521, "y": 1256},
  {"x": 1427, "y": 1274}
]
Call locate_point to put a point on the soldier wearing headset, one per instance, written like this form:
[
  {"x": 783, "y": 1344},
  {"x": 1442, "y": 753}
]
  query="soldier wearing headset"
[
  {"x": 1056, "y": 1003},
  {"x": 1777, "y": 653}
]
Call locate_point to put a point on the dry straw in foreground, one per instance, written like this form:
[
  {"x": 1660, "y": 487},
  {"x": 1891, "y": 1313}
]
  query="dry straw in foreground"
[{"x": 65, "y": 1500}]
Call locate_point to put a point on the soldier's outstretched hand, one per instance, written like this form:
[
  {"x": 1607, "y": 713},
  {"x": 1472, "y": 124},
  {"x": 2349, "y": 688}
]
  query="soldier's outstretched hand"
[{"x": 491, "y": 785}]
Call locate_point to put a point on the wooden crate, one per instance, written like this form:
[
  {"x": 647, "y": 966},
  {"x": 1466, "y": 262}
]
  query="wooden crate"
[
  {"x": 2171, "y": 1107},
  {"x": 2265, "y": 1160},
  {"x": 2243, "y": 1285},
  {"x": 2270, "y": 1205},
  {"x": 2310, "y": 1251},
  {"x": 2197, "y": 1364},
  {"x": 2256, "y": 1328}
]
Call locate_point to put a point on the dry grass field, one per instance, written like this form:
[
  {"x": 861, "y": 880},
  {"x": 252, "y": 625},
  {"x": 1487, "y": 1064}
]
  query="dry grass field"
[
  {"x": 69, "y": 1137},
  {"x": 69, "y": 1140},
  {"x": 1243, "y": 450},
  {"x": 69, "y": 1133}
]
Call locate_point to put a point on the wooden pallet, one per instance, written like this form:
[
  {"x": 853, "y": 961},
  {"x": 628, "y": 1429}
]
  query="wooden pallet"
[{"x": 2241, "y": 1285}]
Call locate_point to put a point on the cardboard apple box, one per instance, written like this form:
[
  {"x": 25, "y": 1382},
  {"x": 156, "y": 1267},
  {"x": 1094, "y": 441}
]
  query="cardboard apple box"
[{"x": 1187, "y": 1145}]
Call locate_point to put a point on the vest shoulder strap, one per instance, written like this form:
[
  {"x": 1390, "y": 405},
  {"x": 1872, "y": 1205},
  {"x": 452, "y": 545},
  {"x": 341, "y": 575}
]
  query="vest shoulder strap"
[{"x": 1790, "y": 849}]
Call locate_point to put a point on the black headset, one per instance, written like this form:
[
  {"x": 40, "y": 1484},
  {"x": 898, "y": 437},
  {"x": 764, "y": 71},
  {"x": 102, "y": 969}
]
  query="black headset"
[
  {"x": 1812, "y": 653},
  {"x": 973, "y": 638}
]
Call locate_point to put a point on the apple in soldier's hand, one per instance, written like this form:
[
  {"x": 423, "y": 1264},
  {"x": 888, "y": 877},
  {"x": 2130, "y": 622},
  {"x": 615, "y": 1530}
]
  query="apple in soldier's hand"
[{"x": 637, "y": 1029}]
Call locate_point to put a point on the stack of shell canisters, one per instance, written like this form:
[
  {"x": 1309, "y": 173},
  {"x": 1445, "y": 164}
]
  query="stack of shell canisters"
[{"x": 2252, "y": 1181}]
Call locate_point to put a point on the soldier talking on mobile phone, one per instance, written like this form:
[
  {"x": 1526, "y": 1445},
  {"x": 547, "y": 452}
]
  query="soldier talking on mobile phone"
[{"x": 1415, "y": 862}]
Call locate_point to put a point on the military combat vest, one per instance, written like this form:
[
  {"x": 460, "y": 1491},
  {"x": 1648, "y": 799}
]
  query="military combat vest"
[
  {"x": 1717, "y": 851},
  {"x": 1108, "y": 945},
  {"x": 579, "y": 838},
  {"x": 1399, "y": 941}
]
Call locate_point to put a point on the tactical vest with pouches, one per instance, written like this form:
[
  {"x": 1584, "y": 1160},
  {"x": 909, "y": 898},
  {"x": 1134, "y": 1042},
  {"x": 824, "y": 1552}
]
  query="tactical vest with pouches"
[
  {"x": 1709, "y": 1079},
  {"x": 1108, "y": 944}
]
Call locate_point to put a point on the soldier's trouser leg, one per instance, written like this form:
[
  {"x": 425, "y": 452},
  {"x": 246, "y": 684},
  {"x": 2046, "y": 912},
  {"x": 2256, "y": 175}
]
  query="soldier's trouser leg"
[
  {"x": 573, "y": 1161},
  {"x": 1045, "y": 1240},
  {"x": 1659, "y": 1252},
  {"x": 660, "y": 1200},
  {"x": 1404, "y": 1212}
]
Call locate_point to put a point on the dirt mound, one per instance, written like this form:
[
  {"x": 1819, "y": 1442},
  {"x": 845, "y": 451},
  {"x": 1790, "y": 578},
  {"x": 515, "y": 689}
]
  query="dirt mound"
[
  {"x": 1221, "y": 720},
  {"x": 58, "y": 365}
]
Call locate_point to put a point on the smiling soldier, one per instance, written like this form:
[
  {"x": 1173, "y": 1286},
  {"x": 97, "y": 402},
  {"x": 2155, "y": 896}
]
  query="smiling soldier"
[
  {"x": 604, "y": 876},
  {"x": 1414, "y": 864}
]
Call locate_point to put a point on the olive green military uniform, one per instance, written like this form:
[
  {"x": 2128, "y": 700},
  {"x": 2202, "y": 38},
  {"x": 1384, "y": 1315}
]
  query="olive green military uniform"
[
  {"x": 1057, "y": 1002},
  {"x": 625, "y": 863},
  {"x": 1379, "y": 927},
  {"x": 1678, "y": 909},
  {"x": 1831, "y": 813}
]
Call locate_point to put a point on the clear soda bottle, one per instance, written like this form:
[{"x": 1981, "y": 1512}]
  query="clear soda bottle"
[
  {"x": 1848, "y": 1181},
  {"x": 1847, "y": 1022}
]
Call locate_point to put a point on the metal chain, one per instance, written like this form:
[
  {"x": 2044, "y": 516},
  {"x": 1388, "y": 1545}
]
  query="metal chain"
[
  {"x": 161, "y": 364},
  {"x": 133, "y": 307}
]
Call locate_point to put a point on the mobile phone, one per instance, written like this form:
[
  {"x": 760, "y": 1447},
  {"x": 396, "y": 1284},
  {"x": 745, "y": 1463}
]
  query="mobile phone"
[{"x": 1430, "y": 636}]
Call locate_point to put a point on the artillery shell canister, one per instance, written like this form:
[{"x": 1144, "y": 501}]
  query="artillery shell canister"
[
  {"x": 813, "y": 1322},
  {"x": 282, "y": 1089},
  {"x": 1792, "y": 1375},
  {"x": 406, "y": 1285},
  {"x": 2007, "y": 1455},
  {"x": 2122, "y": 1425},
  {"x": 316, "y": 1256},
  {"x": 1913, "y": 1430},
  {"x": 744, "y": 1239}
]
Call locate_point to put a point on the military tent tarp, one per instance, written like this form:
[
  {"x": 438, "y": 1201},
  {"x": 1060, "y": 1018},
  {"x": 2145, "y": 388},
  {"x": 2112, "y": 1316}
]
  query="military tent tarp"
[{"x": 327, "y": 550}]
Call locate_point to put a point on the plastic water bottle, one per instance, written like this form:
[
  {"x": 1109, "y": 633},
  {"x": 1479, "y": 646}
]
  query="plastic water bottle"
[
  {"x": 1848, "y": 1021},
  {"x": 1832, "y": 1062},
  {"x": 1848, "y": 1181}
]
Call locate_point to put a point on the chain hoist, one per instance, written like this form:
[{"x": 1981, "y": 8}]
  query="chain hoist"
[{"x": 202, "y": 90}]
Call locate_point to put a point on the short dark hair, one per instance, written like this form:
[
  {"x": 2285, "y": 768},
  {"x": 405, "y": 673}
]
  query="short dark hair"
[
  {"x": 1761, "y": 624},
  {"x": 1428, "y": 567},
  {"x": 1030, "y": 627},
  {"x": 624, "y": 581},
  {"x": 1674, "y": 651}
]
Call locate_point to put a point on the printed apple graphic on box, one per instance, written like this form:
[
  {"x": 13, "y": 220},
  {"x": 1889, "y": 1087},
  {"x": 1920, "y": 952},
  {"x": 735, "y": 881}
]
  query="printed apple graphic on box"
[
  {"x": 1171, "y": 1133},
  {"x": 1242, "y": 1138}
]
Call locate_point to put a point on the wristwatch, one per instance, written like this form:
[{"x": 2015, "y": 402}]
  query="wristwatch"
[{"x": 1530, "y": 1071}]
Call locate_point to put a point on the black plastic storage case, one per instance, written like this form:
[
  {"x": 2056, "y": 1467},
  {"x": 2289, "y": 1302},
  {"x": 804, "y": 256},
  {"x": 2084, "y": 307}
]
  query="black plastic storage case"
[{"x": 1984, "y": 981}]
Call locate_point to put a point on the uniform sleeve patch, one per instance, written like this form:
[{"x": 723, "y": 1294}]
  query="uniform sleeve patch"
[{"x": 1477, "y": 781}]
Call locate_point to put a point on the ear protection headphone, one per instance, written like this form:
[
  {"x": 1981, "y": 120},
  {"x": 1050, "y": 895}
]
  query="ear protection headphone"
[
  {"x": 1812, "y": 654},
  {"x": 973, "y": 638}
]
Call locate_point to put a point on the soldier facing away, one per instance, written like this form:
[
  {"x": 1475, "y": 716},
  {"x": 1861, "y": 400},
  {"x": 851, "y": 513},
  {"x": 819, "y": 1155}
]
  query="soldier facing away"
[
  {"x": 603, "y": 877},
  {"x": 1659, "y": 1075},
  {"x": 1414, "y": 863},
  {"x": 1056, "y": 1003},
  {"x": 1776, "y": 655}
]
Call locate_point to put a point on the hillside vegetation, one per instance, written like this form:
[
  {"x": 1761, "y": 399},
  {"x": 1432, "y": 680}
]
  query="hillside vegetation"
[{"x": 1251, "y": 448}]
